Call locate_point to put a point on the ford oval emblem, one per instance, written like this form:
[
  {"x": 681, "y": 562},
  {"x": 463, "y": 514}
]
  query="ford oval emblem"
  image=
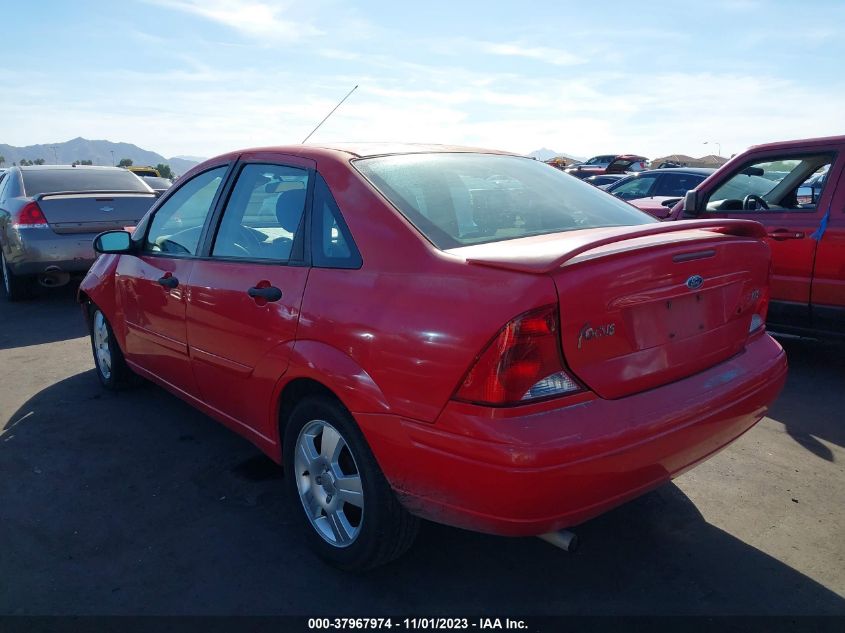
[{"x": 694, "y": 282}]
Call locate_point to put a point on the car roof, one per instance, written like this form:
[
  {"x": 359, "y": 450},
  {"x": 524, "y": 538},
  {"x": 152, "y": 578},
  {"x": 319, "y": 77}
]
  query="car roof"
[
  {"x": 58, "y": 167},
  {"x": 365, "y": 150},
  {"x": 697, "y": 171},
  {"x": 801, "y": 142}
]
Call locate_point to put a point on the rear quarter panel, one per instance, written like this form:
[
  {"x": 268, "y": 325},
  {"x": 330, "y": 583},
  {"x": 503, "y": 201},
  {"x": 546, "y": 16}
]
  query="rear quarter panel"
[{"x": 414, "y": 333}]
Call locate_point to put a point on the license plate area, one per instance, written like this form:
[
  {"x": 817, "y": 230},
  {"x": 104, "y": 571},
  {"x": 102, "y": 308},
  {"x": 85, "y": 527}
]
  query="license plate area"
[{"x": 665, "y": 321}]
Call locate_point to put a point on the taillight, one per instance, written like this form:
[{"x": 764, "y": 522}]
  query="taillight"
[
  {"x": 522, "y": 364},
  {"x": 29, "y": 217},
  {"x": 760, "y": 308}
]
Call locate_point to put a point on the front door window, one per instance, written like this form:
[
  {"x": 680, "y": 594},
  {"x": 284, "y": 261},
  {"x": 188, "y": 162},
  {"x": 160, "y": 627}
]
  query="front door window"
[
  {"x": 774, "y": 184},
  {"x": 177, "y": 225}
]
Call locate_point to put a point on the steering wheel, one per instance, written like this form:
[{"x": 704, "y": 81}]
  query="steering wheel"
[
  {"x": 757, "y": 200},
  {"x": 248, "y": 240}
]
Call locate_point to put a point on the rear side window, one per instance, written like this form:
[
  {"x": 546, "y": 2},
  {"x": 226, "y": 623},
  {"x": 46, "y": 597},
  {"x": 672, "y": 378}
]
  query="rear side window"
[
  {"x": 459, "y": 199},
  {"x": 36, "y": 181},
  {"x": 332, "y": 245}
]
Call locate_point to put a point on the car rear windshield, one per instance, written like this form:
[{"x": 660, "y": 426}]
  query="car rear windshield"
[
  {"x": 458, "y": 199},
  {"x": 75, "y": 179}
]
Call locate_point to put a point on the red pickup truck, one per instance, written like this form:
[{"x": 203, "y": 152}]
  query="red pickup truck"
[{"x": 796, "y": 190}]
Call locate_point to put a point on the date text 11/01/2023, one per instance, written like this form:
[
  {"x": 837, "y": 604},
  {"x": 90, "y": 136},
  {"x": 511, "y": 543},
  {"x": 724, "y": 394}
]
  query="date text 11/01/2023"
[{"x": 316, "y": 624}]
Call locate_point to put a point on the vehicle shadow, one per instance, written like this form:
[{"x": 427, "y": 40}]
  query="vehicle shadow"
[
  {"x": 50, "y": 315},
  {"x": 133, "y": 503},
  {"x": 806, "y": 407}
]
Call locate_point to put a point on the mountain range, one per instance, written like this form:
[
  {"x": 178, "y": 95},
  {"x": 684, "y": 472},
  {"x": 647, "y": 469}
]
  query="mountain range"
[{"x": 99, "y": 152}]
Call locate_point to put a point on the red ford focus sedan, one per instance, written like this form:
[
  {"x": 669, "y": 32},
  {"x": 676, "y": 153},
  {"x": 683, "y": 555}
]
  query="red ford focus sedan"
[{"x": 461, "y": 335}]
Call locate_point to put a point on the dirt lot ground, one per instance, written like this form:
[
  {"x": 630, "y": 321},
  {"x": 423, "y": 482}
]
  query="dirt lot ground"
[{"x": 135, "y": 503}]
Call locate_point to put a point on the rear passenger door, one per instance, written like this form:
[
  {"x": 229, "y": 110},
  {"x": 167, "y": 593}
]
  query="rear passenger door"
[{"x": 246, "y": 290}]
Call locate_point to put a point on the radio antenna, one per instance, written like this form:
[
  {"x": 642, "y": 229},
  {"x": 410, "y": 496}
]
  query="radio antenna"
[{"x": 330, "y": 113}]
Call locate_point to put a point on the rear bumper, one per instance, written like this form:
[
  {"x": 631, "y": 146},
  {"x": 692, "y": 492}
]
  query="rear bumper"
[
  {"x": 33, "y": 251},
  {"x": 530, "y": 470}
]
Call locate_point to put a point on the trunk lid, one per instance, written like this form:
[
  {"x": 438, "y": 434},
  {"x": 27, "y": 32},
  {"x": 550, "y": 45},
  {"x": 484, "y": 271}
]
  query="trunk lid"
[
  {"x": 93, "y": 212},
  {"x": 650, "y": 305}
]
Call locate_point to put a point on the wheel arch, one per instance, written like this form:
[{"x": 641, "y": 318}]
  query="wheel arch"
[{"x": 318, "y": 369}]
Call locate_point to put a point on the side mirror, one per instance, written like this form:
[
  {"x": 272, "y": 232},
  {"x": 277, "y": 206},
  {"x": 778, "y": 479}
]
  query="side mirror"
[
  {"x": 806, "y": 195},
  {"x": 113, "y": 242},
  {"x": 691, "y": 201}
]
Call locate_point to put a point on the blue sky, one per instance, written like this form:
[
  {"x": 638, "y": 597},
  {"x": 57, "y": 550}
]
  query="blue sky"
[{"x": 201, "y": 77}]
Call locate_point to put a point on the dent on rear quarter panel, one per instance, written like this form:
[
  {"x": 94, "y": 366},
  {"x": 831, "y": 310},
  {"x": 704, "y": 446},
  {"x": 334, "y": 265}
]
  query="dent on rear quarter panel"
[{"x": 338, "y": 372}]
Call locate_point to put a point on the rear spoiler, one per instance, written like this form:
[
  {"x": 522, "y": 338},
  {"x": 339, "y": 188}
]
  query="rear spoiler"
[
  {"x": 88, "y": 194},
  {"x": 545, "y": 255}
]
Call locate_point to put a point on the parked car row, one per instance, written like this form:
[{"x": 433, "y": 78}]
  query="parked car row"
[{"x": 656, "y": 191}]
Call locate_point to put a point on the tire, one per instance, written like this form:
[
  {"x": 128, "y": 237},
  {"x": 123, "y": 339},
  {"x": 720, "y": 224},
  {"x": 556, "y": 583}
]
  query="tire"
[
  {"x": 350, "y": 530},
  {"x": 111, "y": 367},
  {"x": 17, "y": 287}
]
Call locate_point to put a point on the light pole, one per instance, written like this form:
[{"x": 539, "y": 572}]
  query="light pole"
[
  {"x": 718, "y": 146},
  {"x": 112, "y": 157},
  {"x": 55, "y": 155}
]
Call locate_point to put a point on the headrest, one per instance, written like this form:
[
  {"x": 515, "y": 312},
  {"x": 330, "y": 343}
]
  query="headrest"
[{"x": 289, "y": 208}]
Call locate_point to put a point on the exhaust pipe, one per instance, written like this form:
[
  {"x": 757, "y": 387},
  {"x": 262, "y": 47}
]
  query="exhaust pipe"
[
  {"x": 564, "y": 539},
  {"x": 53, "y": 277}
]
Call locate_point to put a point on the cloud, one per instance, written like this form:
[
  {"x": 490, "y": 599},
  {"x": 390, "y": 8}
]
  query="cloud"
[
  {"x": 556, "y": 56},
  {"x": 251, "y": 18},
  {"x": 200, "y": 109}
]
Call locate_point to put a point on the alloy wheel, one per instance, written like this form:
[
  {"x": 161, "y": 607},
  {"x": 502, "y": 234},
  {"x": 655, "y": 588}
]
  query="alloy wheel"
[
  {"x": 101, "y": 345},
  {"x": 329, "y": 483}
]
